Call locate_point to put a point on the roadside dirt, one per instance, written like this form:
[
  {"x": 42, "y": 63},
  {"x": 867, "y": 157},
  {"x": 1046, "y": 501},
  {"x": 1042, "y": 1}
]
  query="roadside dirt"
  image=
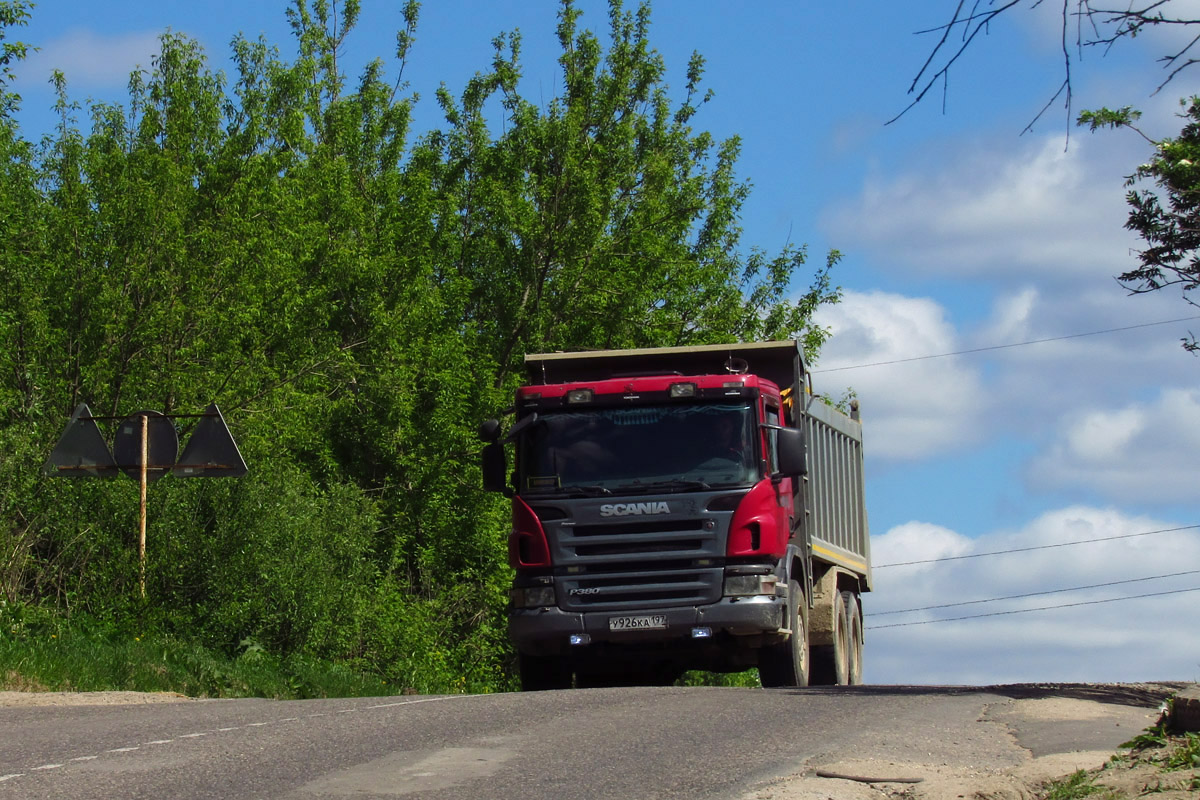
[
  {"x": 1031, "y": 722},
  {"x": 935, "y": 781},
  {"x": 87, "y": 698},
  {"x": 1141, "y": 773}
]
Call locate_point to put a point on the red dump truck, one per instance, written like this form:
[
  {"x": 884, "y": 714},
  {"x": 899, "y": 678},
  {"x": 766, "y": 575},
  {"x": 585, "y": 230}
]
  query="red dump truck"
[{"x": 682, "y": 508}]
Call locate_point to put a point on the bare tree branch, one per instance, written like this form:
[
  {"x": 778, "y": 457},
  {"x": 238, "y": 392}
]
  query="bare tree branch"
[{"x": 1095, "y": 26}]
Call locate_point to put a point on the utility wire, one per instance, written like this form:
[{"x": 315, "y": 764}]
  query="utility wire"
[
  {"x": 1004, "y": 346},
  {"x": 1028, "y": 610},
  {"x": 1039, "y": 547},
  {"x": 1034, "y": 594}
]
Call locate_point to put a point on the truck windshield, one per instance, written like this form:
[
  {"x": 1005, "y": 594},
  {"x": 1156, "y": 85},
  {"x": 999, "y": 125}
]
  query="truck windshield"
[{"x": 629, "y": 450}]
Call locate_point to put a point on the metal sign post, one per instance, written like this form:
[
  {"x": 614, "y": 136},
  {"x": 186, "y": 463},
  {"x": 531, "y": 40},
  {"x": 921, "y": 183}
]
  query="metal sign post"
[
  {"x": 145, "y": 447},
  {"x": 142, "y": 500}
]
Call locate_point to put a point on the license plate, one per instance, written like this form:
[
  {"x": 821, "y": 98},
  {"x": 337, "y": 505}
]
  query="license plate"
[{"x": 647, "y": 622}]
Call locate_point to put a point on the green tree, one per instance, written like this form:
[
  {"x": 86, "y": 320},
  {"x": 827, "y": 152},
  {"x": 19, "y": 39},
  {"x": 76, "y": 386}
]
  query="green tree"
[
  {"x": 356, "y": 299},
  {"x": 12, "y": 14},
  {"x": 1167, "y": 216}
]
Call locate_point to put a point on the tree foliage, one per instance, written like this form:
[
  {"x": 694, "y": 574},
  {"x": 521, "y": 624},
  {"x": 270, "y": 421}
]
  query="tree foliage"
[
  {"x": 355, "y": 298},
  {"x": 1167, "y": 216}
]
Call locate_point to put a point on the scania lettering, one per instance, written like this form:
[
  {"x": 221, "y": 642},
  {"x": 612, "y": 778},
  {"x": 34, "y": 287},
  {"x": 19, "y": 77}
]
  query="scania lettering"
[
  {"x": 681, "y": 508},
  {"x": 621, "y": 509}
]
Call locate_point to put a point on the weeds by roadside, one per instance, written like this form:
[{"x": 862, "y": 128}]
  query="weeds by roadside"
[
  {"x": 1159, "y": 763},
  {"x": 1074, "y": 787}
]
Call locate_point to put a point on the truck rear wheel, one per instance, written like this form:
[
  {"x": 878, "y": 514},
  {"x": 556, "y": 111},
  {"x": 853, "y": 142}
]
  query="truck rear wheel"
[
  {"x": 855, "y": 639},
  {"x": 786, "y": 663},
  {"x": 539, "y": 673},
  {"x": 830, "y": 663}
]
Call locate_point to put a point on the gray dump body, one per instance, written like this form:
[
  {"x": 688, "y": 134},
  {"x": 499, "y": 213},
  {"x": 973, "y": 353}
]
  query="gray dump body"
[{"x": 834, "y": 502}]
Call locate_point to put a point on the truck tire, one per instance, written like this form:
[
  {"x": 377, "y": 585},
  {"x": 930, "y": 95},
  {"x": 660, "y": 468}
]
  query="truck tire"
[
  {"x": 786, "y": 663},
  {"x": 830, "y": 663},
  {"x": 854, "y": 666},
  {"x": 539, "y": 673}
]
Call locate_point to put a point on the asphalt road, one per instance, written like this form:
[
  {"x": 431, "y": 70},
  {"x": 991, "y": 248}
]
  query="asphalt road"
[{"x": 623, "y": 744}]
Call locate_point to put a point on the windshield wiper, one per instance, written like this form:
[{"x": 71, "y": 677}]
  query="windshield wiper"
[
  {"x": 571, "y": 491},
  {"x": 675, "y": 484}
]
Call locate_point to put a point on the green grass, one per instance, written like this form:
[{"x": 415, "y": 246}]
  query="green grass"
[
  {"x": 1186, "y": 755},
  {"x": 749, "y": 678},
  {"x": 73, "y": 657},
  {"x": 1076, "y": 786}
]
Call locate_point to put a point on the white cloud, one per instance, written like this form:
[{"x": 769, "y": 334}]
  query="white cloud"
[
  {"x": 1142, "y": 452},
  {"x": 1130, "y": 640},
  {"x": 1031, "y": 393},
  {"x": 910, "y": 410},
  {"x": 1012, "y": 318},
  {"x": 1039, "y": 390},
  {"x": 1023, "y": 210},
  {"x": 918, "y": 541},
  {"x": 90, "y": 60}
]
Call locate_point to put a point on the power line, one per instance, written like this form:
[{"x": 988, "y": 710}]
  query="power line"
[
  {"x": 1029, "y": 610},
  {"x": 1039, "y": 547},
  {"x": 1004, "y": 346},
  {"x": 1034, "y": 594}
]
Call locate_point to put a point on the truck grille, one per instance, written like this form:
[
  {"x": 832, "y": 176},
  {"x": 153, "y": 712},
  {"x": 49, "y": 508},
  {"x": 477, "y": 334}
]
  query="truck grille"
[{"x": 638, "y": 564}]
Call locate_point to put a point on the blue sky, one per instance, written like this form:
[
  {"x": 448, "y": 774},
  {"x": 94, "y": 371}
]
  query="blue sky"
[{"x": 958, "y": 233}]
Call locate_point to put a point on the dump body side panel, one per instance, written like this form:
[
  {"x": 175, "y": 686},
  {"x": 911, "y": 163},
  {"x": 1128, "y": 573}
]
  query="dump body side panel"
[{"x": 834, "y": 500}]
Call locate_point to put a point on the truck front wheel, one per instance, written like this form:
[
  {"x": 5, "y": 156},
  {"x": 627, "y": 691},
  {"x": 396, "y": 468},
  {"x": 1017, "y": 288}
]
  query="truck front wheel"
[
  {"x": 543, "y": 672},
  {"x": 786, "y": 663}
]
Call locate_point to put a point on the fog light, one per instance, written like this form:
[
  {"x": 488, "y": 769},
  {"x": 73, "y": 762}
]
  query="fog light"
[
  {"x": 580, "y": 638},
  {"x": 701, "y": 633}
]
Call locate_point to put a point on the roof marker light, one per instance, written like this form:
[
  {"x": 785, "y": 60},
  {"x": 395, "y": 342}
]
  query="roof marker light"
[
  {"x": 683, "y": 390},
  {"x": 579, "y": 396}
]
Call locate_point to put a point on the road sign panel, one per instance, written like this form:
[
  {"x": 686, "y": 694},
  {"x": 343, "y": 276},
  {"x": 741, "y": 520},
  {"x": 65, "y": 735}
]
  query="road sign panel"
[
  {"x": 81, "y": 451},
  {"x": 162, "y": 445},
  {"x": 211, "y": 451}
]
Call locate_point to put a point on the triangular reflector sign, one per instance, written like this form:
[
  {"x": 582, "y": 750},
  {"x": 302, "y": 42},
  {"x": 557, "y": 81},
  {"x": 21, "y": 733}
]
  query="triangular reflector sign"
[
  {"x": 81, "y": 451},
  {"x": 211, "y": 451}
]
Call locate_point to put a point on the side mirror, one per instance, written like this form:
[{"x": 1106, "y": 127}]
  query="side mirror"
[
  {"x": 495, "y": 468},
  {"x": 792, "y": 457},
  {"x": 489, "y": 430}
]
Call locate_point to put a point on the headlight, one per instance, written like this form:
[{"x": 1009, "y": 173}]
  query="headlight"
[
  {"x": 535, "y": 597},
  {"x": 749, "y": 585}
]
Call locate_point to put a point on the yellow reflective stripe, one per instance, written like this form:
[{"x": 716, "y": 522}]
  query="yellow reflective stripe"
[{"x": 832, "y": 556}]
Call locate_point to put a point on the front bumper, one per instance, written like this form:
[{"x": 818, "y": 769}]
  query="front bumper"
[{"x": 547, "y": 631}]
